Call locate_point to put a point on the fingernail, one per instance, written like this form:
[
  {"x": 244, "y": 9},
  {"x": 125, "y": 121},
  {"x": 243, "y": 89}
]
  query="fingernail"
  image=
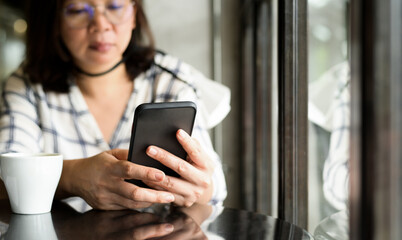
[
  {"x": 182, "y": 133},
  {"x": 169, "y": 197},
  {"x": 152, "y": 151},
  {"x": 169, "y": 227},
  {"x": 159, "y": 176}
]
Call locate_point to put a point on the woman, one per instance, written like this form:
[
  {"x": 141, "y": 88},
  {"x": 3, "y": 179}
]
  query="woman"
[{"x": 88, "y": 65}]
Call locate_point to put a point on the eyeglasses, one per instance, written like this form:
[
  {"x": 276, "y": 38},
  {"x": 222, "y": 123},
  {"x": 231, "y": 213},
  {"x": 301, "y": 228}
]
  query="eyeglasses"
[{"x": 80, "y": 14}]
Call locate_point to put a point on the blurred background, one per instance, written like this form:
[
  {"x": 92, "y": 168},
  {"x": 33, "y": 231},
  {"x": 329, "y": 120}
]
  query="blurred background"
[{"x": 12, "y": 31}]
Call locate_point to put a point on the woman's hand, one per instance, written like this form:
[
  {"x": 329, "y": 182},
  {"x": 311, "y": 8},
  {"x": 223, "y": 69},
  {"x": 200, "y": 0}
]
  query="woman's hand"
[
  {"x": 195, "y": 183},
  {"x": 99, "y": 180}
]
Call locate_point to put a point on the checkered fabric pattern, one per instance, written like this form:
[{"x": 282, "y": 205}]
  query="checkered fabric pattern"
[{"x": 336, "y": 166}]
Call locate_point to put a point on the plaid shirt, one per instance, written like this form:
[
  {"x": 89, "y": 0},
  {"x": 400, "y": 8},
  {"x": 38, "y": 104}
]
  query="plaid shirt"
[
  {"x": 329, "y": 108},
  {"x": 336, "y": 166},
  {"x": 36, "y": 121}
]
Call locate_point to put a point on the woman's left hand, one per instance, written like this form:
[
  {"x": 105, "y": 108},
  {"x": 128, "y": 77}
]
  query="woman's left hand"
[{"x": 195, "y": 183}]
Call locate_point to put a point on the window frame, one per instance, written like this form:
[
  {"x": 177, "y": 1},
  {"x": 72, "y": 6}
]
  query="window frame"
[{"x": 376, "y": 121}]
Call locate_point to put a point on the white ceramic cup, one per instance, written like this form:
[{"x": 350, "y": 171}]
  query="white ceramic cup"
[{"x": 31, "y": 180}]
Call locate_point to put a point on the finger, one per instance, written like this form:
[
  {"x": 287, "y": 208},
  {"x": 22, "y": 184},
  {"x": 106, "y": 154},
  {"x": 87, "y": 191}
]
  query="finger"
[
  {"x": 129, "y": 170},
  {"x": 192, "y": 147},
  {"x": 154, "y": 185},
  {"x": 186, "y": 228},
  {"x": 179, "y": 199},
  {"x": 152, "y": 231},
  {"x": 184, "y": 196},
  {"x": 180, "y": 166},
  {"x": 195, "y": 234},
  {"x": 121, "y": 154},
  {"x": 177, "y": 186},
  {"x": 128, "y": 204},
  {"x": 136, "y": 219},
  {"x": 116, "y": 202},
  {"x": 134, "y": 193}
]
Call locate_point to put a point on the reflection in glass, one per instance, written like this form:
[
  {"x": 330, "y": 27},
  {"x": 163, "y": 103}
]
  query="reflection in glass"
[
  {"x": 329, "y": 112},
  {"x": 333, "y": 227},
  {"x": 159, "y": 221}
]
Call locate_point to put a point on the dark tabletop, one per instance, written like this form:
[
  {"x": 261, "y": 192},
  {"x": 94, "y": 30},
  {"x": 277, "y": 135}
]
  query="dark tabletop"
[{"x": 197, "y": 222}]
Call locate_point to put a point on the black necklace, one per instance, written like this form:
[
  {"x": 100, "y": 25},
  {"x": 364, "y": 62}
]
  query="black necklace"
[{"x": 101, "y": 73}]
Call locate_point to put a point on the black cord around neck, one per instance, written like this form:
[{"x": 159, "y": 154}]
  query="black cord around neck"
[{"x": 79, "y": 70}]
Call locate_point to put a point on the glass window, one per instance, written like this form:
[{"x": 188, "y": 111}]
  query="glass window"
[{"x": 329, "y": 116}]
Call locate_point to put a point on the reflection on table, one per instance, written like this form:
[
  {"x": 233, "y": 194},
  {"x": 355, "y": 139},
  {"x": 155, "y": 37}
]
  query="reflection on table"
[
  {"x": 334, "y": 227},
  {"x": 159, "y": 222}
]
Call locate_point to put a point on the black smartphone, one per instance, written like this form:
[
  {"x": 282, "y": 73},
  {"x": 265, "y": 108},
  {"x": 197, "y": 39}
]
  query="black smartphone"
[{"x": 157, "y": 124}]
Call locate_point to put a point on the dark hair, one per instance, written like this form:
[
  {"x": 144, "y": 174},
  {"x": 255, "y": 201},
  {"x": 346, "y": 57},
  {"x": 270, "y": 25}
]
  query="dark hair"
[{"x": 49, "y": 62}]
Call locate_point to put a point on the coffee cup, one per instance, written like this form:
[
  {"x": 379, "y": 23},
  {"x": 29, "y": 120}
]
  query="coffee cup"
[{"x": 31, "y": 180}]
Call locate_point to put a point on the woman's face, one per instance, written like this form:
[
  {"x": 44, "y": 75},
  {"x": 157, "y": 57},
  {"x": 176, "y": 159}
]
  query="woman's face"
[{"x": 95, "y": 43}]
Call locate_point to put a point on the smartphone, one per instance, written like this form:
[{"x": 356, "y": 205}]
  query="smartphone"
[{"x": 157, "y": 124}]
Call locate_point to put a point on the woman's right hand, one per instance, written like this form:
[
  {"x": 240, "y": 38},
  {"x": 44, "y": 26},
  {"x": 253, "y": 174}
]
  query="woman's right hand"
[{"x": 99, "y": 180}]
